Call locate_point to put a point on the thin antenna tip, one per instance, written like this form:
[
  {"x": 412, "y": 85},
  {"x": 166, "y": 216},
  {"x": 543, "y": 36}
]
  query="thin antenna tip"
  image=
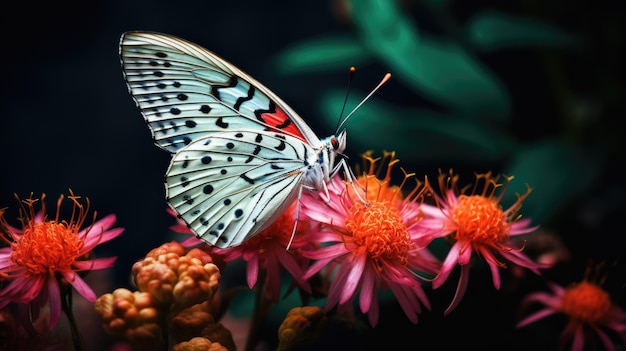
[{"x": 383, "y": 81}]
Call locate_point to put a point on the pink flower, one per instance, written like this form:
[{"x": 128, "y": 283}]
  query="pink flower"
[
  {"x": 266, "y": 254},
  {"x": 477, "y": 226},
  {"x": 45, "y": 255},
  {"x": 370, "y": 247},
  {"x": 589, "y": 308}
]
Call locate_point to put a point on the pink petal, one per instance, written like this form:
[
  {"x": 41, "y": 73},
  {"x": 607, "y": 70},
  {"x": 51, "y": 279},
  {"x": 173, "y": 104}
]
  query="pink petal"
[
  {"x": 5, "y": 257},
  {"x": 350, "y": 275},
  {"x": 493, "y": 266},
  {"x": 291, "y": 265},
  {"x": 105, "y": 223},
  {"x": 535, "y": 317},
  {"x": 98, "y": 263},
  {"x": 522, "y": 260},
  {"x": 95, "y": 237},
  {"x": 54, "y": 301},
  {"x": 374, "y": 311},
  {"x": 24, "y": 290},
  {"x": 407, "y": 301},
  {"x": 604, "y": 337},
  {"x": 333, "y": 295},
  {"x": 522, "y": 227},
  {"x": 545, "y": 299},
  {"x": 433, "y": 211},
  {"x": 327, "y": 253},
  {"x": 368, "y": 290},
  {"x": 461, "y": 288},
  {"x": 448, "y": 265},
  {"x": 252, "y": 271},
  {"x": 465, "y": 253},
  {"x": 80, "y": 285},
  {"x": 575, "y": 332},
  {"x": 316, "y": 267}
]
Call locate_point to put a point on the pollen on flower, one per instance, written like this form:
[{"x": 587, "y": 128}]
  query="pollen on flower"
[
  {"x": 47, "y": 246},
  {"x": 52, "y": 245},
  {"x": 480, "y": 220},
  {"x": 378, "y": 226},
  {"x": 380, "y": 230},
  {"x": 586, "y": 302}
]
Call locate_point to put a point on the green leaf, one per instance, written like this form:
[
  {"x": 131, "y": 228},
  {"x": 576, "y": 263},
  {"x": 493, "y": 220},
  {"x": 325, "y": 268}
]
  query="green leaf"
[
  {"x": 557, "y": 172},
  {"x": 416, "y": 134},
  {"x": 440, "y": 69},
  {"x": 493, "y": 30},
  {"x": 323, "y": 54}
]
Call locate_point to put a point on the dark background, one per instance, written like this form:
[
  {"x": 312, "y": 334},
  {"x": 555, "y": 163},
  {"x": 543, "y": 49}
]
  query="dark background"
[{"x": 67, "y": 120}]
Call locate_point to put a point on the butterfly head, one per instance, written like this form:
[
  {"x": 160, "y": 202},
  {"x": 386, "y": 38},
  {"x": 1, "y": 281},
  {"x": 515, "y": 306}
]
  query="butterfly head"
[{"x": 338, "y": 142}]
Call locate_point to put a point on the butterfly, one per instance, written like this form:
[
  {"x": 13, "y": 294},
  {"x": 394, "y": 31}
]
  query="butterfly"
[{"x": 240, "y": 155}]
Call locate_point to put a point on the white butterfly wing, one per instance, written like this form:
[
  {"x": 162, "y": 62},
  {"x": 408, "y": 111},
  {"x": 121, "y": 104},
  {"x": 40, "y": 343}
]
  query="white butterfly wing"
[
  {"x": 231, "y": 185},
  {"x": 186, "y": 92}
]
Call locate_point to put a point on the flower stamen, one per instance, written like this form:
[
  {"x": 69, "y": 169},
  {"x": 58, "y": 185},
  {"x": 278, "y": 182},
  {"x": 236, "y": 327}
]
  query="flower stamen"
[
  {"x": 380, "y": 230},
  {"x": 48, "y": 246},
  {"x": 480, "y": 220}
]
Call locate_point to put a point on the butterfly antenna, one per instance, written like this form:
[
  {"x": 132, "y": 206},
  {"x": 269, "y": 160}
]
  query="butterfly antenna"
[
  {"x": 382, "y": 81},
  {"x": 345, "y": 100}
]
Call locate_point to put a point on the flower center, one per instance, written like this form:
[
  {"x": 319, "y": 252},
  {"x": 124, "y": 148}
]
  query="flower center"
[
  {"x": 379, "y": 229},
  {"x": 479, "y": 220},
  {"x": 46, "y": 247},
  {"x": 586, "y": 302}
]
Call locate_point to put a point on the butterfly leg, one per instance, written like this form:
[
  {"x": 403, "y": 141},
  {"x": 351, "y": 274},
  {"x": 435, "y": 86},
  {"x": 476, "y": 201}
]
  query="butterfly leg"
[
  {"x": 296, "y": 219},
  {"x": 350, "y": 178}
]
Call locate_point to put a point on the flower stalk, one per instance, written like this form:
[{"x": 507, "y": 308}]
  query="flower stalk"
[{"x": 67, "y": 307}]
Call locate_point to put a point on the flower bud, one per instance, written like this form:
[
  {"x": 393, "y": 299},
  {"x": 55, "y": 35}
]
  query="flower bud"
[
  {"x": 198, "y": 344},
  {"x": 197, "y": 282},
  {"x": 302, "y": 325},
  {"x": 132, "y": 316},
  {"x": 198, "y": 321}
]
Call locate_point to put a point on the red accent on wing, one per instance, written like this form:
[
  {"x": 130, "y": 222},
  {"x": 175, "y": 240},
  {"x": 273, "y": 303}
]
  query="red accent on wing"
[{"x": 282, "y": 122}]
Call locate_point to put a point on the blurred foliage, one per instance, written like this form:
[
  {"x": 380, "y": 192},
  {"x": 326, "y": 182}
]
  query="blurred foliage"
[{"x": 461, "y": 111}]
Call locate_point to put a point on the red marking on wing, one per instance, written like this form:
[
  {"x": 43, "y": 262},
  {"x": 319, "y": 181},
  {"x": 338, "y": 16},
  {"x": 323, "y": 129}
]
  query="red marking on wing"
[{"x": 282, "y": 122}]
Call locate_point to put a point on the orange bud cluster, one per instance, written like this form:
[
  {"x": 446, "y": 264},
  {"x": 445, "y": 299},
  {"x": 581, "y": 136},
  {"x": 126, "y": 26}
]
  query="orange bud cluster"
[
  {"x": 133, "y": 316},
  {"x": 176, "y": 279},
  {"x": 175, "y": 288},
  {"x": 199, "y": 344},
  {"x": 301, "y": 326},
  {"x": 197, "y": 320}
]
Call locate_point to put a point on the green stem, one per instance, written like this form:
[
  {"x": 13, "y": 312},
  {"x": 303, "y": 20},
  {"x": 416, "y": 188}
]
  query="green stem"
[{"x": 66, "y": 305}]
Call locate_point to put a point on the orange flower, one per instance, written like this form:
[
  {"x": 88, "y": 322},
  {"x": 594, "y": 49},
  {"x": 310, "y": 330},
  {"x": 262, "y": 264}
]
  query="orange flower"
[
  {"x": 175, "y": 278},
  {"x": 133, "y": 316},
  {"x": 45, "y": 255},
  {"x": 589, "y": 308},
  {"x": 380, "y": 245},
  {"x": 477, "y": 225}
]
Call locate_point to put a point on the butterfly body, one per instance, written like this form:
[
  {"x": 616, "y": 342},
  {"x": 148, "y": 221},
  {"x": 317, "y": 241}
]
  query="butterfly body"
[{"x": 240, "y": 155}]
